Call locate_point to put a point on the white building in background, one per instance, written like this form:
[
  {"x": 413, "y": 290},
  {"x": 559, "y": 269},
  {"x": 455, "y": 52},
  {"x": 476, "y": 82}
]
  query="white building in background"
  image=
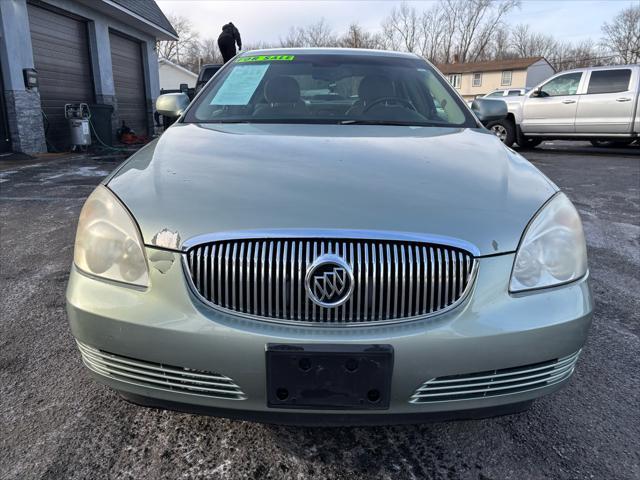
[{"x": 172, "y": 75}]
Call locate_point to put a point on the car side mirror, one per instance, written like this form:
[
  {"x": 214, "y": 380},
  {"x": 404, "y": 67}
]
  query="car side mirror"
[
  {"x": 537, "y": 92},
  {"x": 489, "y": 110},
  {"x": 172, "y": 104}
]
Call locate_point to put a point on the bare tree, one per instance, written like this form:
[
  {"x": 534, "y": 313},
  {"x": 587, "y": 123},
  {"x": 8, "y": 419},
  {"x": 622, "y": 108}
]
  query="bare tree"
[
  {"x": 317, "y": 34},
  {"x": 476, "y": 21},
  {"x": 526, "y": 43},
  {"x": 432, "y": 33},
  {"x": 402, "y": 28},
  {"x": 357, "y": 37},
  {"x": 622, "y": 35},
  {"x": 187, "y": 44},
  {"x": 500, "y": 46},
  {"x": 210, "y": 52},
  {"x": 295, "y": 38}
]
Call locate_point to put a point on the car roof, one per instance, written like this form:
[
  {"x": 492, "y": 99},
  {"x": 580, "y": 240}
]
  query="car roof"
[
  {"x": 330, "y": 51},
  {"x": 601, "y": 67}
]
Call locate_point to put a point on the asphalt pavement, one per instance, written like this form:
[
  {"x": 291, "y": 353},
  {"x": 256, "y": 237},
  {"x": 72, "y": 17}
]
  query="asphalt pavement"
[{"x": 57, "y": 423}]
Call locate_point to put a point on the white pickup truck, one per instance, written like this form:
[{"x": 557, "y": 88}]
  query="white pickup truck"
[{"x": 597, "y": 104}]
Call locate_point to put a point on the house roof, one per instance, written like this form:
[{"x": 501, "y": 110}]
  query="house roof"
[
  {"x": 148, "y": 10},
  {"x": 169, "y": 63},
  {"x": 489, "y": 66}
]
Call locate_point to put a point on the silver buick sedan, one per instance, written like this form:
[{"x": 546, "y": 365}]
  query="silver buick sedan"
[{"x": 329, "y": 236}]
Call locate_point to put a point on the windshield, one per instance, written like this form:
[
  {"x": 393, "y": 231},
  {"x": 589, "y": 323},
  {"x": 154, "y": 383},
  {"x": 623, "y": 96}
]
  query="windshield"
[{"x": 316, "y": 88}]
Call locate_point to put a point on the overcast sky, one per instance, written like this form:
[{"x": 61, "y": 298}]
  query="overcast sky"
[{"x": 268, "y": 21}]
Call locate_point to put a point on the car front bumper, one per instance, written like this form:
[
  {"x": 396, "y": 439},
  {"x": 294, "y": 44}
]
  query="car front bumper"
[{"x": 165, "y": 331}]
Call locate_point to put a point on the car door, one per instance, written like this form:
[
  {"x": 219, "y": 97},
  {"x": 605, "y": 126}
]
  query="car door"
[
  {"x": 608, "y": 104},
  {"x": 552, "y": 107}
]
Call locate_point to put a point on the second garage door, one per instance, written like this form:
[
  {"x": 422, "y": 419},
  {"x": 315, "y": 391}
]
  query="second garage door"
[{"x": 128, "y": 78}]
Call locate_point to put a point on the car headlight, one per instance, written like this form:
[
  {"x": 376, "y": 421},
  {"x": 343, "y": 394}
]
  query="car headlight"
[
  {"x": 108, "y": 242},
  {"x": 553, "y": 250}
]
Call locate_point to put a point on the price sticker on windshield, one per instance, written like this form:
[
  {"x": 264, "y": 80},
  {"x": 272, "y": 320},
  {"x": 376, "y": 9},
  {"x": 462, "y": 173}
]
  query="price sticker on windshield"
[{"x": 241, "y": 84}]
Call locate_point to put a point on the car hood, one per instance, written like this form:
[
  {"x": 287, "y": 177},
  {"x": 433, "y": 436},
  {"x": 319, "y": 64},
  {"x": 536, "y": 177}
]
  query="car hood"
[{"x": 215, "y": 179}]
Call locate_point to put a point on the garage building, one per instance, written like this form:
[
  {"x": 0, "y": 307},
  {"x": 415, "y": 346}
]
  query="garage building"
[{"x": 54, "y": 52}]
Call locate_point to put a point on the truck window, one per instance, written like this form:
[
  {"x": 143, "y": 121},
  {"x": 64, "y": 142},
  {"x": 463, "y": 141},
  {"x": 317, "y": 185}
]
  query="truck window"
[
  {"x": 563, "y": 85},
  {"x": 609, "y": 81}
]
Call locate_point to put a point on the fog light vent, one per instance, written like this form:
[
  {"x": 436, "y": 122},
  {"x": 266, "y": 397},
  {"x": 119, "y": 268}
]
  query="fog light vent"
[
  {"x": 495, "y": 382},
  {"x": 160, "y": 376}
]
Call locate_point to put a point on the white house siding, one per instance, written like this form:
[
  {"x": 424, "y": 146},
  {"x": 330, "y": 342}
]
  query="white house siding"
[{"x": 171, "y": 76}]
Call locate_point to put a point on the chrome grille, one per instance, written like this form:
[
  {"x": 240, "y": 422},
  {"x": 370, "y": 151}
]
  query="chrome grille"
[
  {"x": 393, "y": 280},
  {"x": 160, "y": 376},
  {"x": 495, "y": 382}
]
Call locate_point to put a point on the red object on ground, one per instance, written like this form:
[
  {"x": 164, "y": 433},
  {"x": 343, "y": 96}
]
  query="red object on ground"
[{"x": 131, "y": 139}]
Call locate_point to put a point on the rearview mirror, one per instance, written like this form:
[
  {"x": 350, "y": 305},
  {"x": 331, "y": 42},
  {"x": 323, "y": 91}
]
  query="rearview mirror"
[
  {"x": 172, "y": 104},
  {"x": 536, "y": 92},
  {"x": 489, "y": 110}
]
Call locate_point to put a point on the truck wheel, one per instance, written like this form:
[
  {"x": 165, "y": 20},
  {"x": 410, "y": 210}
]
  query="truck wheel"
[
  {"x": 505, "y": 130},
  {"x": 529, "y": 142}
]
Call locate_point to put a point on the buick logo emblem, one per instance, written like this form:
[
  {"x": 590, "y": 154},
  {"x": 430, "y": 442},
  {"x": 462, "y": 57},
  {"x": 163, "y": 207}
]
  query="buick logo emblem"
[{"x": 329, "y": 281}]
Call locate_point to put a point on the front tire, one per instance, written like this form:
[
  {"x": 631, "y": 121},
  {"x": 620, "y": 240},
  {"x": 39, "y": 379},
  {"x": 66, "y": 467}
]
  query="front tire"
[
  {"x": 529, "y": 142},
  {"x": 505, "y": 130}
]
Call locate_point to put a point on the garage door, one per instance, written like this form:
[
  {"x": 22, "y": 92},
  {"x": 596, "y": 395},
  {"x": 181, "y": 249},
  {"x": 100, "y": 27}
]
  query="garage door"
[
  {"x": 61, "y": 57},
  {"x": 128, "y": 78}
]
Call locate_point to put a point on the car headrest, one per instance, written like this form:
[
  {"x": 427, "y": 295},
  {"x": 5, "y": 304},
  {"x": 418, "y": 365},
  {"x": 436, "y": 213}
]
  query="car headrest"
[
  {"x": 282, "y": 89},
  {"x": 373, "y": 87}
]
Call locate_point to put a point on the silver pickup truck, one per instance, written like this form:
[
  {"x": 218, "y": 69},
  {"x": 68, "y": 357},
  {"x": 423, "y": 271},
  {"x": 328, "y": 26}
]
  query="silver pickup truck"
[{"x": 597, "y": 104}]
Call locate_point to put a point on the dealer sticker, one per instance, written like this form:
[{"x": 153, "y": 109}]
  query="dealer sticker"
[{"x": 266, "y": 58}]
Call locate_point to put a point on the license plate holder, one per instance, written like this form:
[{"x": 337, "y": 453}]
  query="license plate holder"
[{"x": 319, "y": 376}]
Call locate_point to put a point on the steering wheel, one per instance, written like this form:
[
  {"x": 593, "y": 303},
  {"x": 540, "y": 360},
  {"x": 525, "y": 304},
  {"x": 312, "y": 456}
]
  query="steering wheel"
[{"x": 402, "y": 101}]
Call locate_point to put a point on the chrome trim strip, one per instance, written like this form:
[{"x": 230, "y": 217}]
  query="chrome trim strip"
[
  {"x": 263, "y": 284},
  {"x": 381, "y": 299},
  {"x": 241, "y": 258},
  {"x": 403, "y": 277},
  {"x": 423, "y": 255},
  {"x": 294, "y": 233},
  {"x": 248, "y": 284},
  {"x": 396, "y": 284},
  {"x": 454, "y": 268},
  {"x": 278, "y": 279},
  {"x": 292, "y": 298},
  {"x": 344, "y": 305},
  {"x": 233, "y": 274},
  {"x": 411, "y": 281},
  {"x": 365, "y": 305},
  {"x": 388, "y": 281},
  {"x": 299, "y": 280},
  {"x": 432, "y": 267},
  {"x": 359, "y": 292},
  {"x": 270, "y": 296}
]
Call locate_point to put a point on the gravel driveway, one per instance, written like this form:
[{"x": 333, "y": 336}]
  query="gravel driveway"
[{"x": 55, "y": 422}]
